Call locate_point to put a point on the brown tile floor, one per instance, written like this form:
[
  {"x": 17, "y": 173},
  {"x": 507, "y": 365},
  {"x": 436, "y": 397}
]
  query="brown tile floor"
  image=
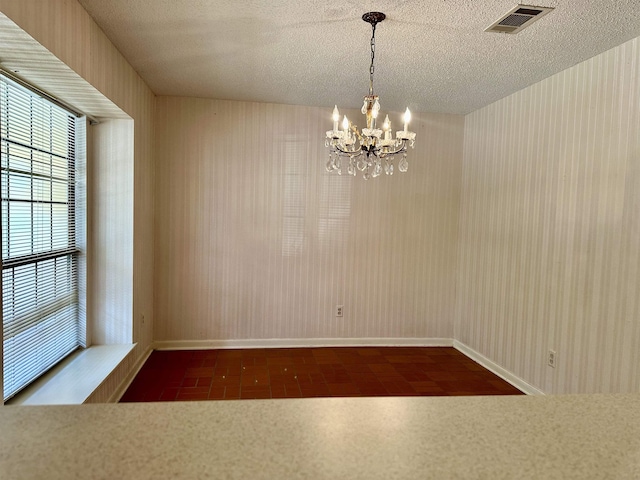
[{"x": 311, "y": 372}]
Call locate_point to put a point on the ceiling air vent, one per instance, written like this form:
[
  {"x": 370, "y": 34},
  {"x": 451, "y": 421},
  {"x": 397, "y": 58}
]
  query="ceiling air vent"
[{"x": 518, "y": 19}]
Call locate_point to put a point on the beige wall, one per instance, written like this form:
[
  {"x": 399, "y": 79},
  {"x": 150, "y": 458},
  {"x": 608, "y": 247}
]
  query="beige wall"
[
  {"x": 255, "y": 240},
  {"x": 550, "y": 228},
  {"x": 67, "y": 31}
]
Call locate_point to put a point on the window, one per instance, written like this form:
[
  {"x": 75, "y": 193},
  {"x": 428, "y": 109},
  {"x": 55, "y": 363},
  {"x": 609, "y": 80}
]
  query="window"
[{"x": 41, "y": 316}]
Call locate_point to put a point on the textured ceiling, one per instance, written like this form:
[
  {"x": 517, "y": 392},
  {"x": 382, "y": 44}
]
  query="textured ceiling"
[{"x": 431, "y": 55}]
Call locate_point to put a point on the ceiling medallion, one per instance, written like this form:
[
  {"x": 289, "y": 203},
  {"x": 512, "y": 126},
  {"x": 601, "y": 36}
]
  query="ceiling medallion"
[{"x": 373, "y": 150}]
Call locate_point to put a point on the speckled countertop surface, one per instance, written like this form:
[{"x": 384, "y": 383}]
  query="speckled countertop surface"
[{"x": 563, "y": 437}]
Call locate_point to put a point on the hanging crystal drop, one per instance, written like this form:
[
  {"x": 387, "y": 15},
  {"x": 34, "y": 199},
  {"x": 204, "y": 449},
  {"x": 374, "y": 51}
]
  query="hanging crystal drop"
[
  {"x": 403, "y": 164},
  {"x": 361, "y": 164},
  {"x": 330, "y": 164},
  {"x": 364, "y": 108},
  {"x": 388, "y": 166},
  {"x": 337, "y": 165},
  {"x": 377, "y": 169},
  {"x": 366, "y": 175},
  {"x": 351, "y": 169}
]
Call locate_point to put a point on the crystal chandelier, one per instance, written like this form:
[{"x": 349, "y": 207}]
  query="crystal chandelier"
[{"x": 372, "y": 151}]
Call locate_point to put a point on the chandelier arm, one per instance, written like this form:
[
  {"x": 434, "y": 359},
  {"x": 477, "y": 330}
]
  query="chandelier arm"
[
  {"x": 355, "y": 153},
  {"x": 401, "y": 149},
  {"x": 384, "y": 155}
]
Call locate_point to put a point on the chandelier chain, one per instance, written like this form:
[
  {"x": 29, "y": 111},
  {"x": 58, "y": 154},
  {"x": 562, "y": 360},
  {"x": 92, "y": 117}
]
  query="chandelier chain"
[{"x": 373, "y": 56}]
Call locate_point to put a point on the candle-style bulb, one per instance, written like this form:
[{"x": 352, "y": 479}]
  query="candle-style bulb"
[
  {"x": 336, "y": 114},
  {"x": 345, "y": 123},
  {"x": 386, "y": 126},
  {"x": 407, "y": 119},
  {"x": 375, "y": 109},
  {"x": 336, "y": 118}
]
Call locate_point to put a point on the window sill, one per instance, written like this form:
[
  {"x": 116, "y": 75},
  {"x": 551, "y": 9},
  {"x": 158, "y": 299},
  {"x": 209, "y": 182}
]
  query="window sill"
[{"x": 74, "y": 379}]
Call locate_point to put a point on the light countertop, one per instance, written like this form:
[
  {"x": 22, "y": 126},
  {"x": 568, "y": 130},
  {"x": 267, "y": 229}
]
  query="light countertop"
[{"x": 563, "y": 437}]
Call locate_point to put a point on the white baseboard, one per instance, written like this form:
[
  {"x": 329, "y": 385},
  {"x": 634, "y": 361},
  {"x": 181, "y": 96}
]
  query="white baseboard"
[
  {"x": 117, "y": 394},
  {"x": 302, "y": 342},
  {"x": 493, "y": 367}
]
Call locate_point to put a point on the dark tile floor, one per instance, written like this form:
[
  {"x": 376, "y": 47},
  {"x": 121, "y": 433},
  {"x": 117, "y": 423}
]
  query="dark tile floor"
[{"x": 311, "y": 372}]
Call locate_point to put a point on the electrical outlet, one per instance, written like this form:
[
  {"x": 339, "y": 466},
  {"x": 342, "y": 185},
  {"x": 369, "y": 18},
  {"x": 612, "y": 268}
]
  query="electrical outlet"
[
  {"x": 551, "y": 359},
  {"x": 339, "y": 309}
]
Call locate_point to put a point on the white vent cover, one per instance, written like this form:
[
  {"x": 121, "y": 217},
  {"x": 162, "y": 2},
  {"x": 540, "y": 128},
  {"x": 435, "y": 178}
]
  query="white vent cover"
[{"x": 518, "y": 19}]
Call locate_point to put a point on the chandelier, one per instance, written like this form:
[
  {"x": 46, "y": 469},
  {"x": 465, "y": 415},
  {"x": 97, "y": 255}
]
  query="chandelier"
[{"x": 373, "y": 150}]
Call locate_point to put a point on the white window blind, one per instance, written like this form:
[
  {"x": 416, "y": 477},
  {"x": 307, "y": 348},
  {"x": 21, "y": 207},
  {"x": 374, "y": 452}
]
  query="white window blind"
[{"x": 40, "y": 309}]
